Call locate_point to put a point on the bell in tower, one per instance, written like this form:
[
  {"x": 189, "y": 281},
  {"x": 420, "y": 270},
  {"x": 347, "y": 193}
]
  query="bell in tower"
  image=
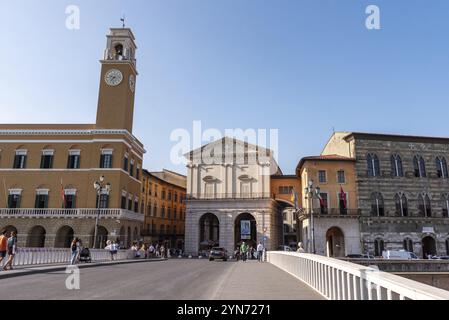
[
  {"x": 120, "y": 45},
  {"x": 117, "y": 81}
]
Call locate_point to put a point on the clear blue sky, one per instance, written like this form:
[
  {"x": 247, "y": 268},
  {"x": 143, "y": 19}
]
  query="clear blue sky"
[{"x": 302, "y": 67}]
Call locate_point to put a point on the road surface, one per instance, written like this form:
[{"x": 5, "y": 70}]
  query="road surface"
[{"x": 176, "y": 279}]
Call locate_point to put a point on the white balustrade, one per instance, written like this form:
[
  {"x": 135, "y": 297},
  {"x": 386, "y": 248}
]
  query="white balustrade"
[
  {"x": 42, "y": 256},
  {"x": 341, "y": 280},
  {"x": 72, "y": 213}
]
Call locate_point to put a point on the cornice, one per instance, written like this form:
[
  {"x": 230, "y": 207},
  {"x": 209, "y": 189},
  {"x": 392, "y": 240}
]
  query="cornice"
[{"x": 67, "y": 132}]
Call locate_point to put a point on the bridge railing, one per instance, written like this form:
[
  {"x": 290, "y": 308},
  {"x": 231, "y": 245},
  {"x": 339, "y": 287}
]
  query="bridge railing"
[
  {"x": 341, "y": 280},
  {"x": 40, "y": 256}
]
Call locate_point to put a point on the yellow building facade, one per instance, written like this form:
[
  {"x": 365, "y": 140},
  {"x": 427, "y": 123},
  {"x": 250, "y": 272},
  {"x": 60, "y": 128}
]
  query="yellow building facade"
[
  {"x": 163, "y": 195},
  {"x": 329, "y": 215},
  {"x": 48, "y": 171}
]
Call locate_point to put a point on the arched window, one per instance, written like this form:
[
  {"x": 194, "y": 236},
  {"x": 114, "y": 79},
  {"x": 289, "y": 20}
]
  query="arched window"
[
  {"x": 379, "y": 247},
  {"x": 419, "y": 167},
  {"x": 401, "y": 204},
  {"x": 408, "y": 245},
  {"x": 373, "y": 165},
  {"x": 377, "y": 205},
  {"x": 396, "y": 166},
  {"x": 424, "y": 206},
  {"x": 441, "y": 167},
  {"x": 445, "y": 205},
  {"x": 118, "y": 51}
]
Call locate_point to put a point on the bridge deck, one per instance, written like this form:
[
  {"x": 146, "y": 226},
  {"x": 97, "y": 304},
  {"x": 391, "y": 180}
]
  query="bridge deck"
[{"x": 177, "y": 279}]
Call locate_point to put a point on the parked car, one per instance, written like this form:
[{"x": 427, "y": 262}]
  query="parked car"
[
  {"x": 218, "y": 253},
  {"x": 440, "y": 257},
  {"x": 398, "y": 254},
  {"x": 284, "y": 248}
]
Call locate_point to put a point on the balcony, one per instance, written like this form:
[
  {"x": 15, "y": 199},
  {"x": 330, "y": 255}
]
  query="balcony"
[
  {"x": 118, "y": 214},
  {"x": 232, "y": 196},
  {"x": 333, "y": 212}
]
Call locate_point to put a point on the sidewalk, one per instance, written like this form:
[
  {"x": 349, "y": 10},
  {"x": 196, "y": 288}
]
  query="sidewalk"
[{"x": 45, "y": 268}]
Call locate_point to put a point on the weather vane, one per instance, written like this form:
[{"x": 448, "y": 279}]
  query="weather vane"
[{"x": 123, "y": 21}]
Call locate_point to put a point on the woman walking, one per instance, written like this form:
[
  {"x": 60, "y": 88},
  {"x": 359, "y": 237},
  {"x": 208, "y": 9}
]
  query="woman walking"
[
  {"x": 74, "y": 246},
  {"x": 12, "y": 249}
]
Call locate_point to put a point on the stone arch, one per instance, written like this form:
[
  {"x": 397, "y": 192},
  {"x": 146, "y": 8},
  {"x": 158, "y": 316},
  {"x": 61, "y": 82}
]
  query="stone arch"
[
  {"x": 64, "y": 237},
  {"x": 102, "y": 237},
  {"x": 429, "y": 246},
  {"x": 209, "y": 231},
  {"x": 335, "y": 242},
  {"x": 36, "y": 237},
  {"x": 379, "y": 246},
  {"x": 250, "y": 235}
]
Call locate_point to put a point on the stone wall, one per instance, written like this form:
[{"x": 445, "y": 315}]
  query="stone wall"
[
  {"x": 265, "y": 212},
  {"x": 393, "y": 228}
]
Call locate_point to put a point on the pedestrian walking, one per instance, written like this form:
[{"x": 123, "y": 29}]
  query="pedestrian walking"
[
  {"x": 300, "y": 248},
  {"x": 244, "y": 251},
  {"x": 74, "y": 247},
  {"x": 260, "y": 252},
  {"x": 11, "y": 247},
  {"x": 3, "y": 246},
  {"x": 162, "y": 252},
  {"x": 151, "y": 251}
]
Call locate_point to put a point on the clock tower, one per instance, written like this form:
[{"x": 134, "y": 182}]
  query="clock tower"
[{"x": 117, "y": 81}]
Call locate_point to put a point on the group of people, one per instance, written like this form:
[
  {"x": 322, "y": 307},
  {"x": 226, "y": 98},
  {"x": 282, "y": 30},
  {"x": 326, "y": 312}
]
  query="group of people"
[
  {"x": 245, "y": 252},
  {"x": 8, "y": 246},
  {"x": 148, "y": 251}
]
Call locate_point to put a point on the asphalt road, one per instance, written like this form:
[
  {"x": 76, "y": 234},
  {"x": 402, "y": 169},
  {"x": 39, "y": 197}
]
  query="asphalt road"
[{"x": 176, "y": 279}]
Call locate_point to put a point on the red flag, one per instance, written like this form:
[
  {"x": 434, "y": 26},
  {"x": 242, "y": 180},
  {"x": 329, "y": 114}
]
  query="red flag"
[
  {"x": 62, "y": 195},
  {"x": 343, "y": 197}
]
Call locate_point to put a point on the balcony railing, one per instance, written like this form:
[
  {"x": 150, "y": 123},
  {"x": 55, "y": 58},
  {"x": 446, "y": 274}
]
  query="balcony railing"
[
  {"x": 333, "y": 212},
  {"x": 219, "y": 196},
  {"x": 72, "y": 213}
]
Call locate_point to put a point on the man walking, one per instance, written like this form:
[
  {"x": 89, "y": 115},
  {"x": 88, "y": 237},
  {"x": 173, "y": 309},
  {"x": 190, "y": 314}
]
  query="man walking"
[
  {"x": 260, "y": 252},
  {"x": 3, "y": 246},
  {"x": 244, "y": 251},
  {"x": 12, "y": 248}
]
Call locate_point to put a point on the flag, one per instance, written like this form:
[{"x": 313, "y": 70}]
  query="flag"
[
  {"x": 294, "y": 199},
  {"x": 322, "y": 203},
  {"x": 62, "y": 195},
  {"x": 343, "y": 197}
]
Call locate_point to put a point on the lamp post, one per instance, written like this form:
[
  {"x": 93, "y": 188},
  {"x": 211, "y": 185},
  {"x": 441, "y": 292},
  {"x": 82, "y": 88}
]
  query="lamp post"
[
  {"x": 312, "y": 193},
  {"x": 100, "y": 187}
]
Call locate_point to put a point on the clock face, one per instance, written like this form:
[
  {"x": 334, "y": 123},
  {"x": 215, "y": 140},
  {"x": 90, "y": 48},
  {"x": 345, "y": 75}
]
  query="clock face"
[
  {"x": 132, "y": 82},
  {"x": 113, "y": 77}
]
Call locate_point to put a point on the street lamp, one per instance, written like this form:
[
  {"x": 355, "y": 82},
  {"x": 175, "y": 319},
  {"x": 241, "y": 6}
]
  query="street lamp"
[
  {"x": 100, "y": 188},
  {"x": 312, "y": 193}
]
